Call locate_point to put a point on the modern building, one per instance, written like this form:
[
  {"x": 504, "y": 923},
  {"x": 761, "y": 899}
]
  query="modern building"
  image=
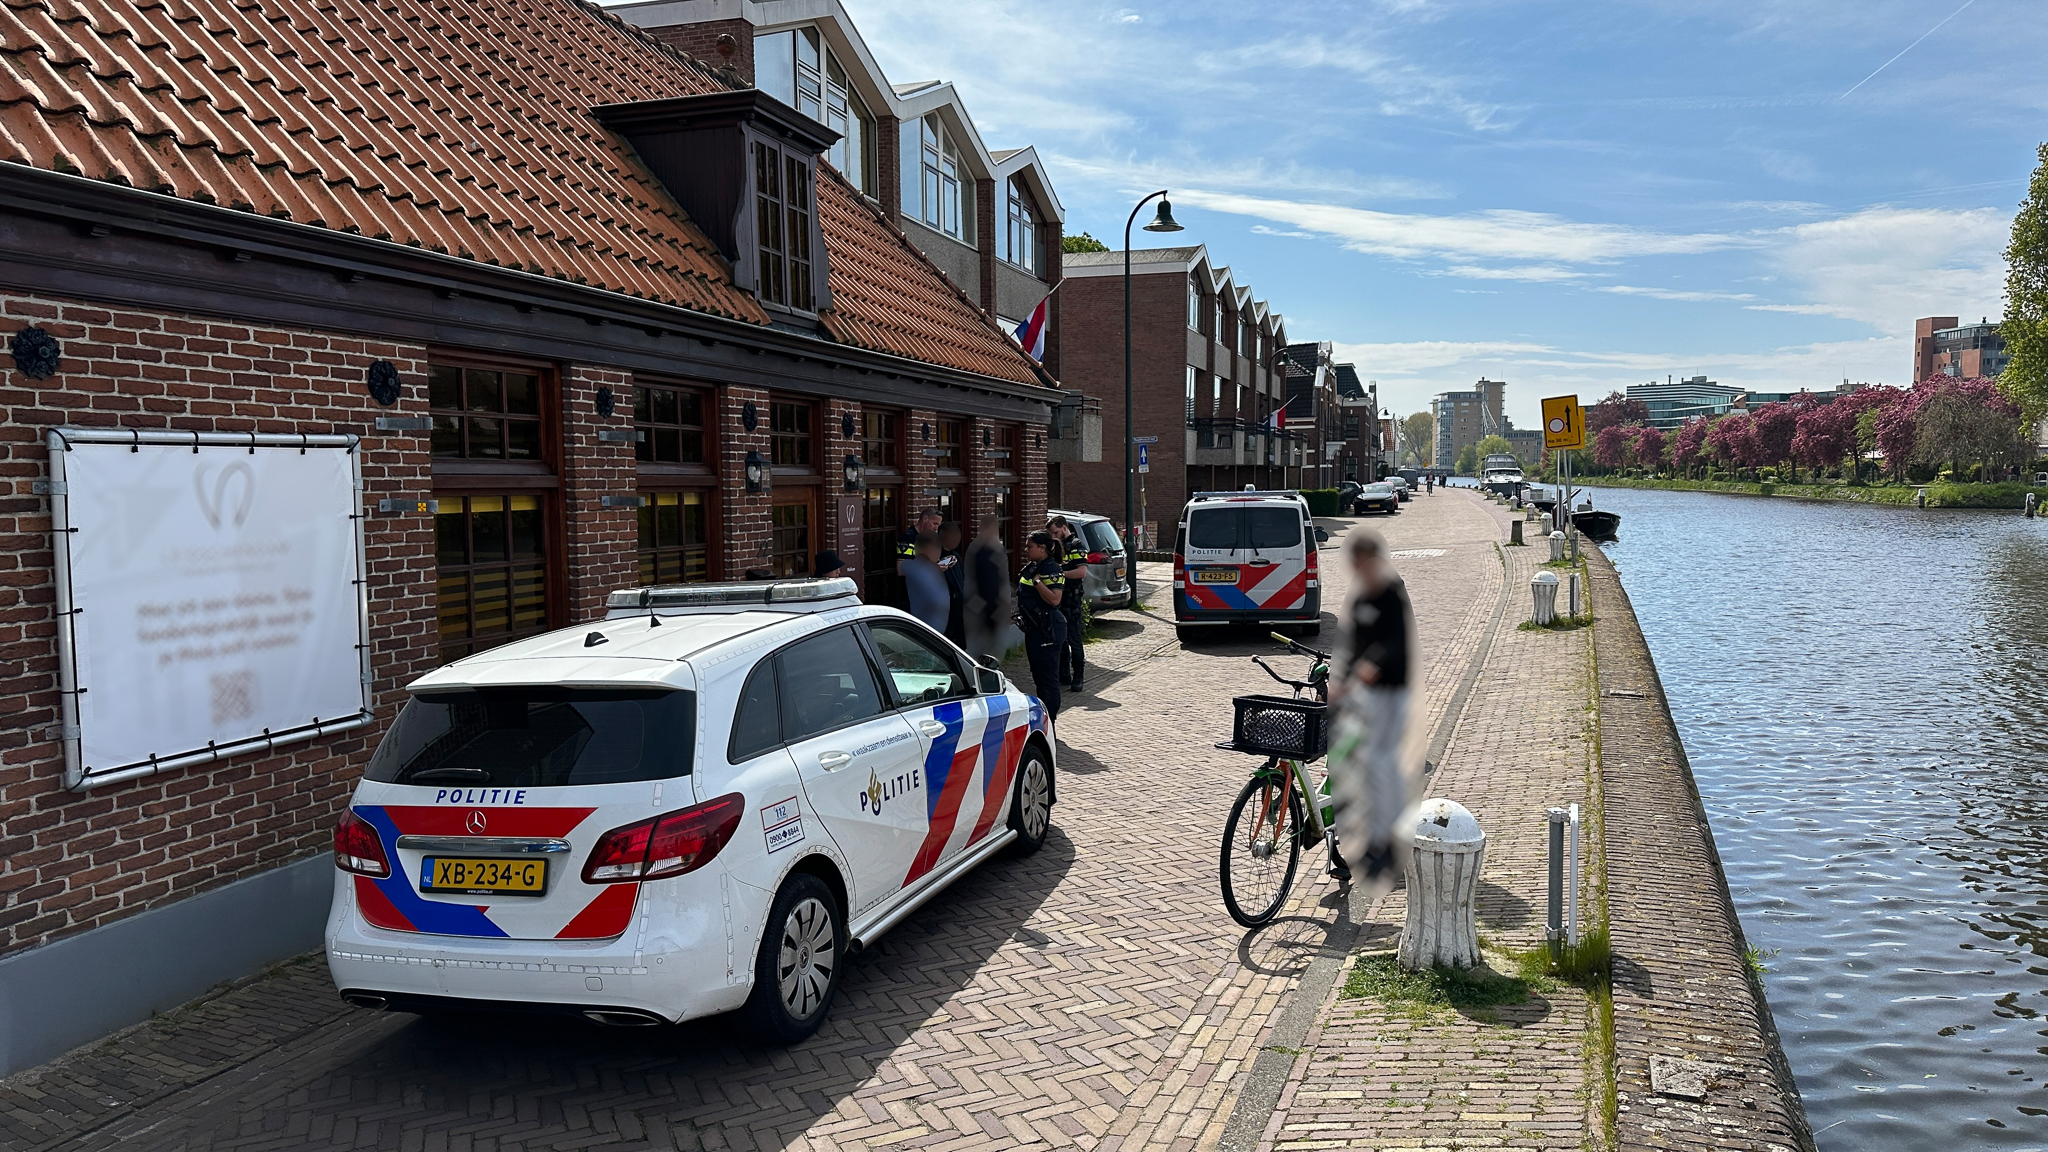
[
  {"x": 1942, "y": 346},
  {"x": 1207, "y": 380},
  {"x": 583, "y": 310},
  {"x": 1465, "y": 418},
  {"x": 1526, "y": 444},
  {"x": 1675, "y": 403}
]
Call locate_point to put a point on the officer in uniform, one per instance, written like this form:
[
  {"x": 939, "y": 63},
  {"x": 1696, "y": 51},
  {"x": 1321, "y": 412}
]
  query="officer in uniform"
[
  {"x": 1038, "y": 609},
  {"x": 1072, "y": 555}
]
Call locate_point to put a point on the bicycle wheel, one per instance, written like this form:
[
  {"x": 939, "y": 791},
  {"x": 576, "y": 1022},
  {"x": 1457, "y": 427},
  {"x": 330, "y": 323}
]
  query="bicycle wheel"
[{"x": 1261, "y": 849}]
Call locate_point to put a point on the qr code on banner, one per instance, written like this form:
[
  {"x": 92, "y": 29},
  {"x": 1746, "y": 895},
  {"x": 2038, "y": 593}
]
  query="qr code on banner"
[{"x": 234, "y": 695}]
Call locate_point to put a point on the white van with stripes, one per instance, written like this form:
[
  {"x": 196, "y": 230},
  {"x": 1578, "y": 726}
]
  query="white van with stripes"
[
  {"x": 1247, "y": 558},
  {"x": 697, "y": 805}
]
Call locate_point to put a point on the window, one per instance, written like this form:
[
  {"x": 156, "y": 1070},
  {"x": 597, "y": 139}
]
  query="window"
[
  {"x": 1022, "y": 247},
  {"x": 782, "y": 227},
  {"x": 827, "y": 683},
  {"x": 757, "y": 724},
  {"x": 947, "y": 455},
  {"x": 672, "y": 423},
  {"x": 789, "y": 539},
  {"x": 675, "y": 538},
  {"x": 1212, "y": 528},
  {"x": 1194, "y": 304},
  {"x": 1226, "y": 331},
  {"x": 492, "y": 579},
  {"x": 881, "y": 444},
  {"x": 847, "y": 115},
  {"x": 1220, "y": 329},
  {"x": 917, "y": 668},
  {"x": 789, "y": 433},
  {"x": 481, "y": 414},
  {"x": 539, "y": 737},
  {"x": 932, "y": 178},
  {"x": 1191, "y": 392},
  {"x": 798, "y": 69}
]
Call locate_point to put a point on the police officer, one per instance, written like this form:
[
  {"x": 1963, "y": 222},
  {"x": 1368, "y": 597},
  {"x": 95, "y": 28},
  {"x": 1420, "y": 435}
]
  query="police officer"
[
  {"x": 1038, "y": 608},
  {"x": 1072, "y": 555}
]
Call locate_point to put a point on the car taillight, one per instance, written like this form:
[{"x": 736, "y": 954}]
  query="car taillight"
[
  {"x": 666, "y": 845},
  {"x": 1098, "y": 557},
  {"x": 1180, "y": 571},
  {"x": 358, "y": 848}
]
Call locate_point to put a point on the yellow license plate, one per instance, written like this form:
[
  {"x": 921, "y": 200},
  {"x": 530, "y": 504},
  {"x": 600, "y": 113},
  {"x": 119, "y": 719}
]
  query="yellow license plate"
[
  {"x": 480, "y": 877},
  {"x": 1119, "y": 571},
  {"x": 1215, "y": 575}
]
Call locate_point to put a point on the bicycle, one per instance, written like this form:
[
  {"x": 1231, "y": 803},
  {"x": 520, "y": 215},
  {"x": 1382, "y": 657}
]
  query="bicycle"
[{"x": 1259, "y": 858}]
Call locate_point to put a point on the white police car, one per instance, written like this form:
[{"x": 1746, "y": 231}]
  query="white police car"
[{"x": 699, "y": 804}]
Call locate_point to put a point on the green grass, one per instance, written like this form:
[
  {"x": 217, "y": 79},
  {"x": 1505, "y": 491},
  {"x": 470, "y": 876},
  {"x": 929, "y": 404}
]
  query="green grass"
[{"x": 1472, "y": 992}]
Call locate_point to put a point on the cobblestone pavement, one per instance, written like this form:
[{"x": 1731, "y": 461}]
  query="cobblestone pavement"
[
  {"x": 1386, "y": 1076},
  {"x": 1094, "y": 995}
]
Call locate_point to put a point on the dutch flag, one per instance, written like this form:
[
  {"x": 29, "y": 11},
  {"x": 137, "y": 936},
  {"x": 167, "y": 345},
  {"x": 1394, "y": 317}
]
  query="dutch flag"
[{"x": 1030, "y": 335}]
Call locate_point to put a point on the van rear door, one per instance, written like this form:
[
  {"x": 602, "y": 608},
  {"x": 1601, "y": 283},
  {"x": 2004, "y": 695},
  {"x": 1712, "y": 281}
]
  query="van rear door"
[{"x": 1246, "y": 557}]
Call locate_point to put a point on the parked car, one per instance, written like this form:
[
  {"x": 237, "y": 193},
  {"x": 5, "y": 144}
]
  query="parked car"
[
  {"x": 1379, "y": 497},
  {"x": 663, "y": 815},
  {"x": 1246, "y": 558},
  {"x": 1111, "y": 583},
  {"x": 1347, "y": 492},
  {"x": 1402, "y": 488}
]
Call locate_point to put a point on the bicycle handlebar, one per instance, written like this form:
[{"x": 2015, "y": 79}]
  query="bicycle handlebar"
[
  {"x": 1297, "y": 685},
  {"x": 1298, "y": 646}
]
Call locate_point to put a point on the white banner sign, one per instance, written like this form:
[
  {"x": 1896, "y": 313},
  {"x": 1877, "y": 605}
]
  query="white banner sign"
[{"x": 215, "y": 596}]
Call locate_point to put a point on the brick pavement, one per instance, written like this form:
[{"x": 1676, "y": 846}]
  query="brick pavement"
[
  {"x": 1095, "y": 995},
  {"x": 1380, "y": 1076}
]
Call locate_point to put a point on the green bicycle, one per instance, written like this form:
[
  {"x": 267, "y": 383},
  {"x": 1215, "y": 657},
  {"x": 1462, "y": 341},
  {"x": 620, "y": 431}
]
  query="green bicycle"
[{"x": 1280, "y": 810}]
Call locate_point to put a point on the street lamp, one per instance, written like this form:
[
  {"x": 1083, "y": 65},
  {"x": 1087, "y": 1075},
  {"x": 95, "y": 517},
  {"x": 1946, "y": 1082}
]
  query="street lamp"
[{"x": 1163, "y": 222}]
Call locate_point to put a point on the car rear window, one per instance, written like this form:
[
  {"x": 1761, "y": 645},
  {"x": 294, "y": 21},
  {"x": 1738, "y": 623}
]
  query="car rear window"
[
  {"x": 538, "y": 737},
  {"x": 1101, "y": 537},
  {"x": 1272, "y": 527},
  {"x": 1213, "y": 528}
]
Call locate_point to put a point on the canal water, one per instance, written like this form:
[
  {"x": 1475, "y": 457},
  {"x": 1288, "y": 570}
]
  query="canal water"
[{"x": 1863, "y": 694}]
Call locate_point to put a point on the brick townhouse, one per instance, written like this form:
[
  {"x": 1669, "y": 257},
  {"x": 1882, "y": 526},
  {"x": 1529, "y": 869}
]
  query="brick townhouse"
[
  {"x": 619, "y": 313},
  {"x": 1207, "y": 379}
]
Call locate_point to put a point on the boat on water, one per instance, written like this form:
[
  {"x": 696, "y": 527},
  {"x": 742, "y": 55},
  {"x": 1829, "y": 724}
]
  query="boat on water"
[
  {"x": 1594, "y": 522},
  {"x": 1501, "y": 474}
]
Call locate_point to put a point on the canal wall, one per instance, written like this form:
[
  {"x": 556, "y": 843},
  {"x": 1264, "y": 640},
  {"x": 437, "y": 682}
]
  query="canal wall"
[{"x": 1697, "y": 1059}]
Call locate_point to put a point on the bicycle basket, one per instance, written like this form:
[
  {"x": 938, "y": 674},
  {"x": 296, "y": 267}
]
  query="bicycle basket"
[{"x": 1280, "y": 726}]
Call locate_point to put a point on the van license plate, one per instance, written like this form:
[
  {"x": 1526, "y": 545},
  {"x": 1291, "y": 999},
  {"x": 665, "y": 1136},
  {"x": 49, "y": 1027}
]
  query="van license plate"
[
  {"x": 1119, "y": 571},
  {"x": 474, "y": 877},
  {"x": 1215, "y": 575}
]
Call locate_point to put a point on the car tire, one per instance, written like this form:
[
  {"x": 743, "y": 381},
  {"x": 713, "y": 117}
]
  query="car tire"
[
  {"x": 793, "y": 990},
  {"x": 1185, "y": 634},
  {"x": 1031, "y": 804}
]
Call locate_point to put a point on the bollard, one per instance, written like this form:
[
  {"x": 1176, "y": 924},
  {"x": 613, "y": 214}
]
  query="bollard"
[
  {"x": 1556, "y": 544},
  {"x": 1920, "y": 498},
  {"x": 1571, "y": 894},
  {"x": 1543, "y": 586},
  {"x": 1553, "y": 923},
  {"x": 1443, "y": 879},
  {"x": 1515, "y": 528},
  {"x": 2032, "y": 502},
  {"x": 1572, "y": 595}
]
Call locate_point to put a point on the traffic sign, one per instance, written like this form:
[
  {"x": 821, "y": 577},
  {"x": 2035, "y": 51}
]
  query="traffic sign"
[
  {"x": 1144, "y": 439},
  {"x": 1564, "y": 423},
  {"x": 1144, "y": 458}
]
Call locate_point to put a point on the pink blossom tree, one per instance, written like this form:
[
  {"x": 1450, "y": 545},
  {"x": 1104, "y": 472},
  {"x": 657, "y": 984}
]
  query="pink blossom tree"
[
  {"x": 1729, "y": 439},
  {"x": 1649, "y": 448},
  {"x": 1772, "y": 428},
  {"x": 1688, "y": 444},
  {"x": 1610, "y": 447},
  {"x": 1826, "y": 436}
]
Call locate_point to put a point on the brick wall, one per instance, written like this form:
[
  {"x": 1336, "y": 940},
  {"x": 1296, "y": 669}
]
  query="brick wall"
[
  {"x": 701, "y": 41},
  {"x": 992, "y": 225},
  {"x": 71, "y": 861},
  {"x": 835, "y": 447},
  {"x": 743, "y": 519},
  {"x": 888, "y": 158},
  {"x": 920, "y": 473},
  {"x": 600, "y": 543},
  {"x": 1031, "y": 495},
  {"x": 1092, "y": 359}
]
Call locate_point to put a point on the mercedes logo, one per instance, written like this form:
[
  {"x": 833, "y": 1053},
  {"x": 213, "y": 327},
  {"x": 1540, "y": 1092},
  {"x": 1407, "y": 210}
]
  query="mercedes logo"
[{"x": 476, "y": 823}]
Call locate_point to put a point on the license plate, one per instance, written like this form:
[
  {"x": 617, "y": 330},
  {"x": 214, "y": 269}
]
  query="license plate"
[
  {"x": 1215, "y": 575},
  {"x": 481, "y": 877},
  {"x": 1119, "y": 571}
]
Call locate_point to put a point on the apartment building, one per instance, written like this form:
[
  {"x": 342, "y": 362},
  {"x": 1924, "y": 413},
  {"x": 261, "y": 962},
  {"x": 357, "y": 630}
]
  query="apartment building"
[
  {"x": 1943, "y": 346},
  {"x": 1465, "y": 418},
  {"x": 1363, "y": 432},
  {"x": 1209, "y": 383}
]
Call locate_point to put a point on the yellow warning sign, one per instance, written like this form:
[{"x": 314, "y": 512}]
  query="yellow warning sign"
[{"x": 1564, "y": 423}]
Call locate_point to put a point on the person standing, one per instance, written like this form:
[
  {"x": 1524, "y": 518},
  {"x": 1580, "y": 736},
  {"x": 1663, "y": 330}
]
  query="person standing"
[
  {"x": 925, "y": 584},
  {"x": 927, "y": 520},
  {"x": 1045, "y": 626},
  {"x": 1370, "y": 682},
  {"x": 986, "y": 580},
  {"x": 1072, "y": 555},
  {"x": 956, "y": 582}
]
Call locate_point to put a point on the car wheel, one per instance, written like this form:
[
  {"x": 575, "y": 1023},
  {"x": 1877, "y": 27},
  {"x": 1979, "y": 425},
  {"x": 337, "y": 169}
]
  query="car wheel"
[
  {"x": 1185, "y": 634},
  {"x": 1031, "y": 810},
  {"x": 797, "y": 971}
]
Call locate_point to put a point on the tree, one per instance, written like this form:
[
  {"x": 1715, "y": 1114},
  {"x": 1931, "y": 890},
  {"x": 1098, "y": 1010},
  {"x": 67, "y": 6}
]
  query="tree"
[
  {"x": 1494, "y": 445},
  {"x": 1468, "y": 461},
  {"x": 1894, "y": 429},
  {"x": 1729, "y": 440},
  {"x": 1772, "y": 428},
  {"x": 1826, "y": 436},
  {"x": 1965, "y": 420},
  {"x": 1649, "y": 448},
  {"x": 1081, "y": 242},
  {"x": 1687, "y": 446},
  {"x": 1610, "y": 447},
  {"x": 1418, "y": 439},
  {"x": 1616, "y": 409},
  {"x": 2025, "y": 328}
]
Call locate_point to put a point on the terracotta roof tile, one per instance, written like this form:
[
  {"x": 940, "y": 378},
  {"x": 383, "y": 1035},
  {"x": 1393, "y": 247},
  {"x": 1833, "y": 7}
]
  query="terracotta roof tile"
[{"x": 460, "y": 126}]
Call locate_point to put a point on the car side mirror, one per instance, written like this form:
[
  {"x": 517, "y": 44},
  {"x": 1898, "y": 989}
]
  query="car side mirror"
[
  {"x": 991, "y": 681},
  {"x": 988, "y": 661}
]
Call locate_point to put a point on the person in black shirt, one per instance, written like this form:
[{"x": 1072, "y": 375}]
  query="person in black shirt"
[
  {"x": 1072, "y": 555},
  {"x": 1038, "y": 609},
  {"x": 1370, "y": 681},
  {"x": 906, "y": 545}
]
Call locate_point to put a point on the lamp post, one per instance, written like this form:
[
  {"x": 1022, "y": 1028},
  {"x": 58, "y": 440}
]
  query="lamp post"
[{"x": 1163, "y": 222}]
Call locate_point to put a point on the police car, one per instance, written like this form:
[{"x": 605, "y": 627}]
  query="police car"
[
  {"x": 699, "y": 804},
  {"x": 1247, "y": 557}
]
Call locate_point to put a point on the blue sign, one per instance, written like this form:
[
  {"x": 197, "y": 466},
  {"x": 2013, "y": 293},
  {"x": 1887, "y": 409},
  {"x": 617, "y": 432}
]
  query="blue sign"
[{"x": 1144, "y": 458}]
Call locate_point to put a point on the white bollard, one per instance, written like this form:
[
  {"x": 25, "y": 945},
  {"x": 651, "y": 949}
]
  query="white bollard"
[
  {"x": 1543, "y": 586},
  {"x": 1556, "y": 544},
  {"x": 1443, "y": 881}
]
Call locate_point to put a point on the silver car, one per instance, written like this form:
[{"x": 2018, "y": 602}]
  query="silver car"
[{"x": 1110, "y": 582}]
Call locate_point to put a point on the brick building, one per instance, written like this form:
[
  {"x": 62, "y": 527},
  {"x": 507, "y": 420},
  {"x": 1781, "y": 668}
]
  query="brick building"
[
  {"x": 617, "y": 312},
  {"x": 1366, "y": 452},
  {"x": 1944, "y": 346},
  {"x": 1206, "y": 381}
]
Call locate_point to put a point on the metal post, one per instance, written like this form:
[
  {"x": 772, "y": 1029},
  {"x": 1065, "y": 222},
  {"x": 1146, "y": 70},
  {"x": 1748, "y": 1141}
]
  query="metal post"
[
  {"x": 1571, "y": 923},
  {"x": 1555, "y": 923},
  {"x": 1130, "y": 525}
]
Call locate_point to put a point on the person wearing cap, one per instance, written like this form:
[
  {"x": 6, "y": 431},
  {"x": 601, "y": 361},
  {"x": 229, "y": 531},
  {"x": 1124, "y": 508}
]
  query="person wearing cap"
[
  {"x": 928, "y": 521},
  {"x": 1072, "y": 555},
  {"x": 829, "y": 565},
  {"x": 1038, "y": 609}
]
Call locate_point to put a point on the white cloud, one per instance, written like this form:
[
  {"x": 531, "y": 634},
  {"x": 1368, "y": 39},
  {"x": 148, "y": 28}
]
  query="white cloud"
[
  {"x": 1126, "y": 16},
  {"x": 1672, "y": 293},
  {"x": 1887, "y": 266},
  {"x": 1539, "y": 273}
]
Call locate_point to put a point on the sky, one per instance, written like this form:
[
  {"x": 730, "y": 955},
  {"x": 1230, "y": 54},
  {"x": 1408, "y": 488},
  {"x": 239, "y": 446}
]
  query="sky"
[{"x": 1571, "y": 197}]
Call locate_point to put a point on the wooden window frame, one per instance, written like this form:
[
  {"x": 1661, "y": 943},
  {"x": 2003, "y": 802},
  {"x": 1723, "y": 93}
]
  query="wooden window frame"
[
  {"x": 759, "y": 251},
  {"x": 893, "y": 466},
  {"x": 797, "y": 472}
]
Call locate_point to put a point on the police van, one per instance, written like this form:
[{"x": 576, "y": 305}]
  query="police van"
[
  {"x": 697, "y": 805},
  {"x": 1247, "y": 558}
]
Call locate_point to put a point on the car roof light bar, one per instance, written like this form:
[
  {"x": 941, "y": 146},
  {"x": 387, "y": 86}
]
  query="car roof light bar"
[{"x": 740, "y": 593}]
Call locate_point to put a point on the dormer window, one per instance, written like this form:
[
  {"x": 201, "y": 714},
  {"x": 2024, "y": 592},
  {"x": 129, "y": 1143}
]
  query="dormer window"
[
  {"x": 1194, "y": 304},
  {"x": 797, "y": 68},
  {"x": 933, "y": 176},
  {"x": 782, "y": 227},
  {"x": 1021, "y": 241}
]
